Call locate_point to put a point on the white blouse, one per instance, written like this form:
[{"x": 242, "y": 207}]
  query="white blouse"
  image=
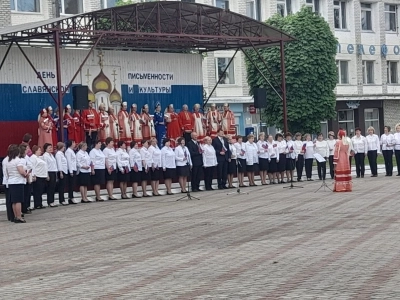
[
  {"x": 252, "y": 155},
  {"x": 146, "y": 157},
  {"x": 50, "y": 161},
  {"x": 241, "y": 150},
  {"x": 123, "y": 160},
  {"x": 322, "y": 148},
  {"x": 4, "y": 169},
  {"x": 13, "y": 175},
  {"x": 180, "y": 154},
  {"x": 111, "y": 157},
  {"x": 290, "y": 150},
  {"x": 373, "y": 143},
  {"x": 209, "y": 156},
  {"x": 387, "y": 141},
  {"x": 396, "y": 141},
  {"x": 83, "y": 161},
  {"x": 155, "y": 156},
  {"x": 71, "y": 160},
  {"x": 298, "y": 146},
  {"x": 168, "y": 158},
  {"x": 263, "y": 149},
  {"x": 62, "y": 165},
  {"x": 39, "y": 167},
  {"x": 360, "y": 144},
  {"x": 135, "y": 158},
  {"x": 331, "y": 145},
  {"x": 309, "y": 150},
  {"x": 282, "y": 147},
  {"x": 232, "y": 148},
  {"x": 98, "y": 158},
  {"x": 272, "y": 150}
]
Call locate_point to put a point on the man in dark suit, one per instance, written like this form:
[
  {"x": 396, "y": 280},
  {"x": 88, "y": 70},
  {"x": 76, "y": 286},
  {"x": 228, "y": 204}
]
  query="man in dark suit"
[
  {"x": 197, "y": 161},
  {"x": 221, "y": 146}
]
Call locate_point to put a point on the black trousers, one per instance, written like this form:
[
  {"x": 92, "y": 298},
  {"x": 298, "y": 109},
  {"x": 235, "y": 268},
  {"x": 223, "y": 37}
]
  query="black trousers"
[
  {"x": 187, "y": 137},
  {"x": 10, "y": 212},
  {"x": 300, "y": 166},
  {"x": 388, "y": 157},
  {"x": 51, "y": 187},
  {"x": 222, "y": 173},
  {"x": 331, "y": 167},
  {"x": 397, "y": 155},
  {"x": 372, "y": 155},
  {"x": 360, "y": 164},
  {"x": 61, "y": 187},
  {"x": 321, "y": 170},
  {"x": 71, "y": 185},
  {"x": 208, "y": 177},
  {"x": 197, "y": 173},
  {"x": 38, "y": 189},
  {"x": 91, "y": 139},
  {"x": 309, "y": 163},
  {"x": 27, "y": 197}
]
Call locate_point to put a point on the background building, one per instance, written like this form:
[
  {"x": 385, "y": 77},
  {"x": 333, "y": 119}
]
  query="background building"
[{"x": 368, "y": 54}]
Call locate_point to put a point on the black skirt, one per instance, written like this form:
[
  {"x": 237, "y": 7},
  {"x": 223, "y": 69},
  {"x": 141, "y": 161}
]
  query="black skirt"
[
  {"x": 273, "y": 166},
  {"x": 183, "y": 171},
  {"x": 241, "y": 165},
  {"x": 169, "y": 173},
  {"x": 136, "y": 176},
  {"x": 99, "y": 177},
  {"x": 252, "y": 168},
  {"x": 282, "y": 162},
  {"x": 290, "y": 164},
  {"x": 156, "y": 174},
  {"x": 232, "y": 166},
  {"x": 123, "y": 177},
  {"x": 16, "y": 193},
  {"x": 145, "y": 176},
  {"x": 264, "y": 164},
  {"x": 84, "y": 179},
  {"x": 112, "y": 176}
]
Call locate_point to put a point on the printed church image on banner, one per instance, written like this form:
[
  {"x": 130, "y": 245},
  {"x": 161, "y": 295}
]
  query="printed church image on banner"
[{"x": 104, "y": 83}]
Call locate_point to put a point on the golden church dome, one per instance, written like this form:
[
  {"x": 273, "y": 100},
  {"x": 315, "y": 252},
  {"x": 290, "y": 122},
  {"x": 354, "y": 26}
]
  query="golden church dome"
[
  {"x": 101, "y": 83},
  {"x": 91, "y": 96},
  {"x": 115, "y": 96}
]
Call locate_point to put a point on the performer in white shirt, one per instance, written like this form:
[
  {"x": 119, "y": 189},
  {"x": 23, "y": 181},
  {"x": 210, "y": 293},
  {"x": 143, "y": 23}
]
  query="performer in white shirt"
[
  {"x": 263, "y": 157},
  {"x": 83, "y": 164},
  {"x": 135, "y": 160},
  {"x": 10, "y": 213},
  {"x": 111, "y": 166},
  {"x": 98, "y": 169},
  {"x": 281, "y": 159},
  {"x": 124, "y": 168},
  {"x": 168, "y": 164},
  {"x": 39, "y": 176},
  {"x": 241, "y": 159},
  {"x": 373, "y": 150},
  {"x": 322, "y": 148},
  {"x": 146, "y": 164},
  {"x": 155, "y": 170},
  {"x": 308, "y": 149},
  {"x": 298, "y": 150},
  {"x": 273, "y": 154},
  {"x": 387, "y": 142},
  {"x": 232, "y": 164},
  {"x": 62, "y": 168},
  {"x": 71, "y": 163},
  {"x": 23, "y": 155},
  {"x": 209, "y": 162},
  {"x": 183, "y": 163},
  {"x": 290, "y": 157},
  {"x": 360, "y": 146},
  {"x": 396, "y": 142},
  {"x": 331, "y": 144},
  {"x": 252, "y": 159},
  {"x": 50, "y": 160}
]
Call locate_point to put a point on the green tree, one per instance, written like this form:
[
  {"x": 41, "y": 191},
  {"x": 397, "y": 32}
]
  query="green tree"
[
  {"x": 311, "y": 73},
  {"x": 125, "y": 2}
]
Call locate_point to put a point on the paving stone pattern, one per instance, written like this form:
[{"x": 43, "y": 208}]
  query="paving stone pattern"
[{"x": 272, "y": 243}]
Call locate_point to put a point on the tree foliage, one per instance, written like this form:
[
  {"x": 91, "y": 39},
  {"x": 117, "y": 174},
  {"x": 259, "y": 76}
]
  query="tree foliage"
[
  {"x": 125, "y": 2},
  {"x": 311, "y": 74}
]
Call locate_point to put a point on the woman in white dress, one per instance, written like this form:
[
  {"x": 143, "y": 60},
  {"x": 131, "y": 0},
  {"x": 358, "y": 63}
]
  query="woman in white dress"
[
  {"x": 124, "y": 168},
  {"x": 263, "y": 158},
  {"x": 168, "y": 165},
  {"x": 111, "y": 166},
  {"x": 146, "y": 164},
  {"x": 183, "y": 163},
  {"x": 52, "y": 170},
  {"x": 252, "y": 159},
  {"x": 209, "y": 162},
  {"x": 98, "y": 169},
  {"x": 62, "y": 167},
  {"x": 331, "y": 144},
  {"x": 83, "y": 163},
  {"x": 136, "y": 168},
  {"x": 241, "y": 159},
  {"x": 155, "y": 171}
]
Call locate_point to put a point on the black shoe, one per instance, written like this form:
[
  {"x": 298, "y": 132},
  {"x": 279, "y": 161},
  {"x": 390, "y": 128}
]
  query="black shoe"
[
  {"x": 362, "y": 176},
  {"x": 83, "y": 201},
  {"x": 70, "y": 201},
  {"x": 40, "y": 207},
  {"x": 225, "y": 187},
  {"x": 220, "y": 188},
  {"x": 167, "y": 194},
  {"x": 53, "y": 205},
  {"x": 398, "y": 175},
  {"x": 109, "y": 198},
  {"x": 19, "y": 220},
  {"x": 99, "y": 200},
  {"x": 374, "y": 176},
  {"x": 357, "y": 176},
  {"x": 28, "y": 212}
]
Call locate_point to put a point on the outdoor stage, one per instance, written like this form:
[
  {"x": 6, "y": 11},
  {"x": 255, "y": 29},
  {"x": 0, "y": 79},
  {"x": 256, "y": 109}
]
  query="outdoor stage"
[{"x": 274, "y": 243}]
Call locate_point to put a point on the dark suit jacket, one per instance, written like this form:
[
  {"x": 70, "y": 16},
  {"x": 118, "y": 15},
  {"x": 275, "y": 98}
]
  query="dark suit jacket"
[
  {"x": 218, "y": 148},
  {"x": 195, "y": 155}
]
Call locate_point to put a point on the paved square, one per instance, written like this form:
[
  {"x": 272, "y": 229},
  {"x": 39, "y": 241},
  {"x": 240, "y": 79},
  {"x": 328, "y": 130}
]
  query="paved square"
[{"x": 273, "y": 243}]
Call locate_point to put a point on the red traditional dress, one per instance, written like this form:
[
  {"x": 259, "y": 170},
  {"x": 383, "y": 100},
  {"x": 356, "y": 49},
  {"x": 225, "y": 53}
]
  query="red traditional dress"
[
  {"x": 228, "y": 122},
  {"x": 70, "y": 123},
  {"x": 45, "y": 131},
  {"x": 124, "y": 128},
  {"x": 173, "y": 127},
  {"x": 136, "y": 124},
  {"x": 104, "y": 131},
  {"x": 213, "y": 121},
  {"x": 79, "y": 136},
  {"x": 54, "y": 138},
  {"x": 148, "y": 130},
  {"x": 186, "y": 121},
  {"x": 91, "y": 120},
  {"x": 198, "y": 125},
  {"x": 341, "y": 155},
  {"x": 113, "y": 121}
]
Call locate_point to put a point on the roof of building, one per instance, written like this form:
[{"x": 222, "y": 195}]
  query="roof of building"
[{"x": 172, "y": 26}]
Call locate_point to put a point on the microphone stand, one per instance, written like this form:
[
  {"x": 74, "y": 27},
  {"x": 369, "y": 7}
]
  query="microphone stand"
[
  {"x": 292, "y": 186},
  {"x": 188, "y": 196},
  {"x": 238, "y": 192}
]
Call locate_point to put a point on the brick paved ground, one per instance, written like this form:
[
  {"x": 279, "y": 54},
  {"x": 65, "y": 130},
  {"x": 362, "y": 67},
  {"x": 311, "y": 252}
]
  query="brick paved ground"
[{"x": 273, "y": 243}]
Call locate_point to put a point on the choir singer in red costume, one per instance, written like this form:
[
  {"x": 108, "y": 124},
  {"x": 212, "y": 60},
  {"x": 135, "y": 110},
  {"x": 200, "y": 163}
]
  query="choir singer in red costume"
[
  {"x": 70, "y": 123},
  {"x": 91, "y": 124},
  {"x": 186, "y": 121},
  {"x": 173, "y": 125},
  {"x": 79, "y": 134},
  {"x": 123, "y": 124},
  {"x": 228, "y": 121},
  {"x": 148, "y": 130}
]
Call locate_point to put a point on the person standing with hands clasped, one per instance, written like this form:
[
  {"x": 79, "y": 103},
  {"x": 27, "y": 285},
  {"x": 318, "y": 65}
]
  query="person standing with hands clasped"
[
  {"x": 221, "y": 146},
  {"x": 135, "y": 160},
  {"x": 124, "y": 168},
  {"x": 50, "y": 160},
  {"x": 98, "y": 170},
  {"x": 146, "y": 164},
  {"x": 360, "y": 146},
  {"x": 396, "y": 142},
  {"x": 308, "y": 150},
  {"x": 387, "y": 142},
  {"x": 111, "y": 166},
  {"x": 84, "y": 164},
  {"x": 331, "y": 144},
  {"x": 183, "y": 163},
  {"x": 209, "y": 162},
  {"x": 373, "y": 150},
  {"x": 197, "y": 160},
  {"x": 62, "y": 167},
  {"x": 71, "y": 162},
  {"x": 168, "y": 164},
  {"x": 322, "y": 148}
]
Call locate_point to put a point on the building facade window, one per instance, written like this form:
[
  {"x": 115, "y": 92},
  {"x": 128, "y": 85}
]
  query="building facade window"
[
  {"x": 390, "y": 17},
  {"x": 71, "y": 7},
  {"x": 368, "y": 72},
  {"x": 342, "y": 71},
  {"x": 25, "y": 5},
  {"x": 346, "y": 120},
  {"x": 108, "y": 3},
  {"x": 392, "y": 75},
  {"x": 253, "y": 9},
  {"x": 313, "y": 5},
  {"x": 339, "y": 14},
  {"x": 366, "y": 16},
  {"x": 229, "y": 76},
  {"x": 284, "y": 7},
  {"x": 371, "y": 117},
  {"x": 222, "y": 4}
]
